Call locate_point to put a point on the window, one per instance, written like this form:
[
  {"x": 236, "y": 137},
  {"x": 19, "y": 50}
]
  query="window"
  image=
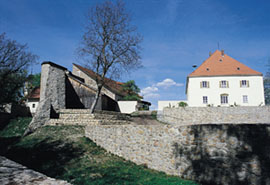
[
  {"x": 204, "y": 84},
  {"x": 224, "y": 99},
  {"x": 244, "y": 83},
  {"x": 33, "y": 105},
  {"x": 245, "y": 99},
  {"x": 224, "y": 84},
  {"x": 205, "y": 99}
]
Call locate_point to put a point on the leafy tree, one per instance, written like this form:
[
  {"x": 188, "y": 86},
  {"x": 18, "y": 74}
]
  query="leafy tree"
[
  {"x": 110, "y": 45},
  {"x": 132, "y": 91},
  {"x": 34, "y": 80},
  {"x": 14, "y": 62},
  {"x": 266, "y": 82}
]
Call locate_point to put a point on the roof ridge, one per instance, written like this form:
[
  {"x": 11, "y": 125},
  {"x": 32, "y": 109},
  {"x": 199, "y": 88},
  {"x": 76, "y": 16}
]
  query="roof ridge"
[{"x": 220, "y": 64}]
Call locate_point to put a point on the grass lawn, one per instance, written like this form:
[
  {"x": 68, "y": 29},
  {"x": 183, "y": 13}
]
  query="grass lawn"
[{"x": 64, "y": 153}]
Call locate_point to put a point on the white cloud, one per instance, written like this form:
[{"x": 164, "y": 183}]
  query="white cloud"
[
  {"x": 168, "y": 83},
  {"x": 148, "y": 90},
  {"x": 153, "y": 91},
  {"x": 151, "y": 95}
]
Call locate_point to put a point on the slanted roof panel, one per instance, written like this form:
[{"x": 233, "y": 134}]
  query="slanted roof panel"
[
  {"x": 114, "y": 86},
  {"x": 218, "y": 65}
]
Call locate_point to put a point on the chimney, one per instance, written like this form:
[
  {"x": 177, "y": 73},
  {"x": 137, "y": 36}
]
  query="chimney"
[
  {"x": 210, "y": 53},
  {"x": 222, "y": 52}
]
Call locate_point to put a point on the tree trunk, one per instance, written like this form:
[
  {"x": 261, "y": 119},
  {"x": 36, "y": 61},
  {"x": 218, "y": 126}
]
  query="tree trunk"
[{"x": 93, "y": 106}]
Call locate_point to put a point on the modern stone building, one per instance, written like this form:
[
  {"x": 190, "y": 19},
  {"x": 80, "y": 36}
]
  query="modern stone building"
[
  {"x": 77, "y": 89},
  {"x": 61, "y": 89},
  {"x": 223, "y": 81}
]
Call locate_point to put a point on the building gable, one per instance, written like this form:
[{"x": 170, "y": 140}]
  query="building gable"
[{"x": 220, "y": 64}]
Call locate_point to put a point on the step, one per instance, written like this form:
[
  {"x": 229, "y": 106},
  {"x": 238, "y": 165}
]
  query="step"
[
  {"x": 71, "y": 122},
  {"x": 86, "y": 122},
  {"x": 76, "y": 116},
  {"x": 93, "y": 116},
  {"x": 74, "y": 111},
  {"x": 111, "y": 117}
]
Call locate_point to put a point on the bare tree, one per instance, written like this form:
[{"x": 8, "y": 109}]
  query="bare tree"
[
  {"x": 14, "y": 62},
  {"x": 110, "y": 44}
]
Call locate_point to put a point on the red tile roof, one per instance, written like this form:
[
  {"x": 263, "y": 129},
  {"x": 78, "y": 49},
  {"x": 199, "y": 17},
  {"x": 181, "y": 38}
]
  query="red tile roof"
[
  {"x": 114, "y": 86},
  {"x": 218, "y": 65},
  {"x": 35, "y": 93}
]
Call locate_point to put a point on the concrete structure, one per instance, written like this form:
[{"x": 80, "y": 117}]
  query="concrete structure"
[
  {"x": 132, "y": 106},
  {"x": 223, "y": 81},
  {"x": 170, "y": 103}
]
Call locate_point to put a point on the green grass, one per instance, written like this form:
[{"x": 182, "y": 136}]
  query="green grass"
[
  {"x": 63, "y": 152},
  {"x": 16, "y": 127}
]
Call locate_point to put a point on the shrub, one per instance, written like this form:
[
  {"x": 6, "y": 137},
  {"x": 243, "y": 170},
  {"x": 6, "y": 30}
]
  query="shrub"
[{"x": 182, "y": 104}]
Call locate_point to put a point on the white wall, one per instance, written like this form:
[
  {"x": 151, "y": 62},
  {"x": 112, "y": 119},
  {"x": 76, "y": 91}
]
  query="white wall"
[
  {"x": 171, "y": 103},
  {"x": 127, "y": 106},
  {"x": 30, "y": 105},
  {"x": 255, "y": 91}
]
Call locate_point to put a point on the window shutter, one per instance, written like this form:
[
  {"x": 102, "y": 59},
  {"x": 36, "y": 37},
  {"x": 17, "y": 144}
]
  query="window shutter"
[
  {"x": 208, "y": 85},
  {"x": 247, "y": 83},
  {"x": 219, "y": 84},
  {"x": 201, "y": 84},
  {"x": 227, "y": 84},
  {"x": 240, "y": 83}
]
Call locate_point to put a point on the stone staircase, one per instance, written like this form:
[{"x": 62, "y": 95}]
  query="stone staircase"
[{"x": 84, "y": 117}]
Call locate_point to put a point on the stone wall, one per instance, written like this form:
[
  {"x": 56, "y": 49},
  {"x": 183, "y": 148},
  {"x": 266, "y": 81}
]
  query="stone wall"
[
  {"x": 210, "y": 154},
  {"x": 52, "y": 95},
  {"x": 218, "y": 115}
]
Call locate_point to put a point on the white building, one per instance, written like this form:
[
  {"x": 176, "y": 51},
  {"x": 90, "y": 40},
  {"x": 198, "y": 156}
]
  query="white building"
[
  {"x": 223, "y": 81},
  {"x": 132, "y": 106},
  {"x": 33, "y": 100}
]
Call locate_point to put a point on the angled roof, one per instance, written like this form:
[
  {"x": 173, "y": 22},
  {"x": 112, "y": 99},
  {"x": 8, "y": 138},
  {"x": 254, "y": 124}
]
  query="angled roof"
[
  {"x": 35, "y": 93},
  {"x": 112, "y": 85},
  {"x": 223, "y": 65}
]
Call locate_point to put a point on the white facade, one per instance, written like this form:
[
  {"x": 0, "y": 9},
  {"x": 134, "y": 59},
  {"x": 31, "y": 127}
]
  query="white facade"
[
  {"x": 169, "y": 103},
  {"x": 127, "y": 106},
  {"x": 32, "y": 105},
  {"x": 240, "y": 90}
]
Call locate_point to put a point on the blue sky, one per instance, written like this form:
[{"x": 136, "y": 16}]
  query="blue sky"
[{"x": 177, "y": 34}]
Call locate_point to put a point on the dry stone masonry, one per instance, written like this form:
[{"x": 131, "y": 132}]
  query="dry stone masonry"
[
  {"x": 52, "y": 95},
  {"x": 211, "y": 153},
  {"x": 217, "y": 115},
  {"x": 84, "y": 117}
]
